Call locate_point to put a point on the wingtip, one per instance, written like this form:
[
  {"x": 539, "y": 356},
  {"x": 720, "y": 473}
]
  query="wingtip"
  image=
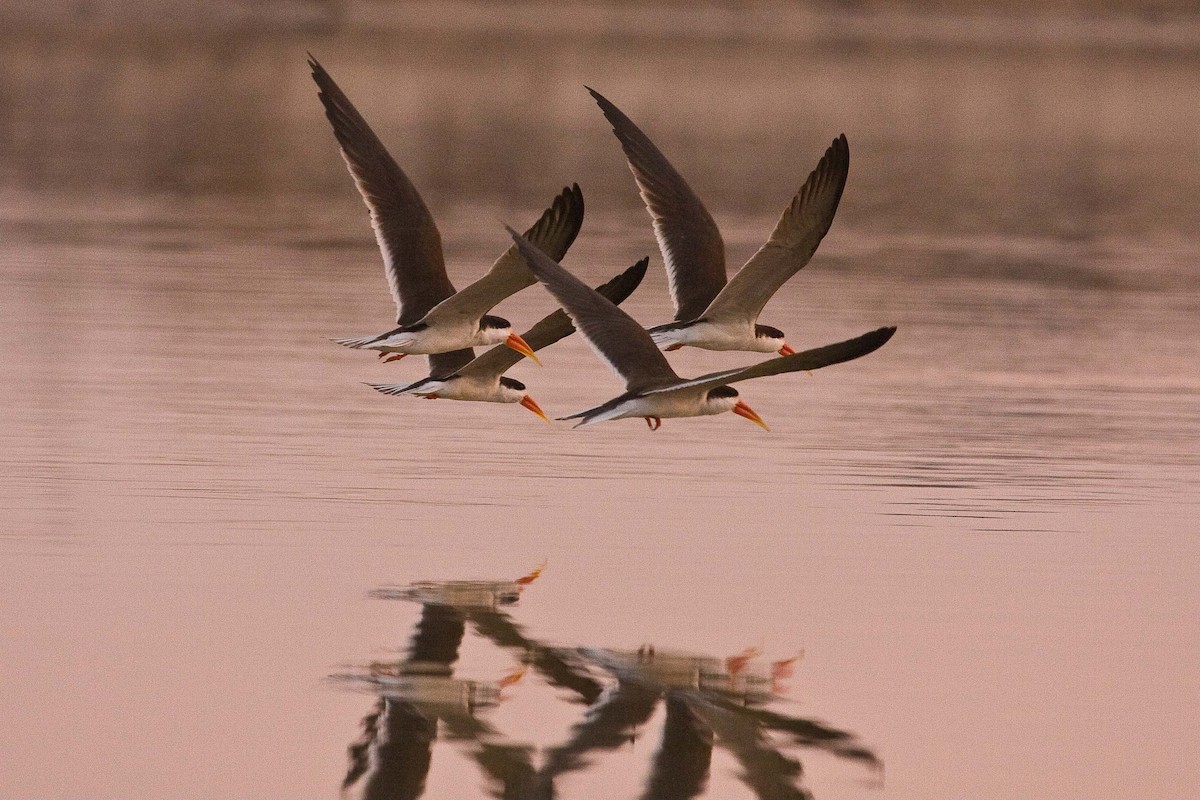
[
  {"x": 600, "y": 99},
  {"x": 572, "y": 191},
  {"x": 618, "y": 289},
  {"x": 880, "y": 336},
  {"x": 571, "y": 199},
  {"x": 638, "y": 271},
  {"x": 845, "y": 146}
]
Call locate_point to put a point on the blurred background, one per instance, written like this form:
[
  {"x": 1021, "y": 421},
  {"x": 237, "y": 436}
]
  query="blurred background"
[{"x": 1073, "y": 118}]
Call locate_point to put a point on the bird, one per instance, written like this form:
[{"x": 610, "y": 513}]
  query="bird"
[
  {"x": 653, "y": 390},
  {"x": 710, "y": 313},
  {"x": 482, "y": 378},
  {"x": 431, "y": 317}
]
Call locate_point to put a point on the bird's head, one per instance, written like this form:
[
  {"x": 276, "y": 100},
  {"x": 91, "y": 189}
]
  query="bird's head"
[
  {"x": 513, "y": 391},
  {"x": 725, "y": 398},
  {"x": 772, "y": 340}
]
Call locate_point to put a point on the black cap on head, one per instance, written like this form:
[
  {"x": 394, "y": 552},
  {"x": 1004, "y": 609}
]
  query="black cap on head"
[
  {"x": 490, "y": 321},
  {"x": 722, "y": 392},
  {"x": 766, "y": 331}
]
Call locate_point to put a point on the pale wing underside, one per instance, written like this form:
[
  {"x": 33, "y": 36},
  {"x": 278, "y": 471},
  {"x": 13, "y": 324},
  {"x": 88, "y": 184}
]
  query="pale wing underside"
[
  {"x": 616, "y": 337},
  {"x": 691, "y": 245},
  {"x": 404, "y": 228},
  {"x": 792, "y": 243},
  {"x": 556, "y": 326},
  {"x": 807, "y": 360},
  {"x": 554, "y": 232}
]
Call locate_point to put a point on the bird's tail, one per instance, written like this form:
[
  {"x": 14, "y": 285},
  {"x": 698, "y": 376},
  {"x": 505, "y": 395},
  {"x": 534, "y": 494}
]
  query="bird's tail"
[
  {"x": 400, "y": 389},
  {"x": 593, "y": 415},
  {"x": 357, "y": 344},
  {"x": 668, "y": 336}
]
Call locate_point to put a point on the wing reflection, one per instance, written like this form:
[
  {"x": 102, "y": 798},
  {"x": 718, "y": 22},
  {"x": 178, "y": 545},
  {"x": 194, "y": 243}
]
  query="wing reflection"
[
  {"x": 708, "y": 702},
  {"x": 610, "y": 723},
  {"x": 391, "y": 760},
  {"x": 680, "y": 769},
  {"x": 558, "y": 666}
]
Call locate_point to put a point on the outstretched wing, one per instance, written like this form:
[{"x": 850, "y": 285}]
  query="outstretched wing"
[
  {"x": 793, "y": 242},
  {"x": 615, "y": 336},
  {"x": 807, "y": 360},
  {"x": 407, "y": 237},
  {"x": 553, "y": 327},
  {"x": 553, "y": 233},
  {"x": 442, "y": 365},
  {"x": 691, "y": 245}
]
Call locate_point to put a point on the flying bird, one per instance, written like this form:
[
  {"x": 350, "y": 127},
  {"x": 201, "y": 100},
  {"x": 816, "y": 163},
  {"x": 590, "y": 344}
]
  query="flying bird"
[
  {"x": 482, "y": 379},
  {"x": 652, "y": 389},
  {"x": 710, "y": 313},
  {"x": 431, "y": 317}
]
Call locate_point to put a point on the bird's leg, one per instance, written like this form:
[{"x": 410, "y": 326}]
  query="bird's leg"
[
  {"x": 653, "y": 423},
  {"x": 392, "y": 357},
  {"x": 431, "y": 397},
  {"x": 674, "y": 347}
]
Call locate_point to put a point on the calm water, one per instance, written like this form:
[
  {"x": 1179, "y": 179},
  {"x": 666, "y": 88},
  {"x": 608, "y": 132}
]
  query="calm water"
[{"x": 982, "y": 537}]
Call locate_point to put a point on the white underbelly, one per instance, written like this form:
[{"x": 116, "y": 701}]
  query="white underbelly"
[
  {"x": 708, "y": 336},
  {"x": 428, "y": 341}
]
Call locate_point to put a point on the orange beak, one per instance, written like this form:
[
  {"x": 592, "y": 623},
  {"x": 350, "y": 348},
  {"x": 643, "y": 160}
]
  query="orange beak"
[
  {"x": 531, "y": 577},
  {"x": 743, "y": 410},
  {"x": 786, "y": 350},
  {"x": 736, "y": 664},
  {"x": 532, "y": 406},
  {"x": 519, "y": 344},
  {"x": 783, "y": 669},
  {"x": 511, "y": 678}
]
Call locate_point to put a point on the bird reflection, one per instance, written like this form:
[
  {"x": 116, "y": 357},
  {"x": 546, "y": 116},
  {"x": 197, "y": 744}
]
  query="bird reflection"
[
  {"x": 708, "y": 702},
  {"x": 391, "y": 760}
]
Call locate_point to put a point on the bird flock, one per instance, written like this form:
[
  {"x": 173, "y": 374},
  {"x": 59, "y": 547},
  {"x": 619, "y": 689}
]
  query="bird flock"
[{"x": 711, "y": 313}]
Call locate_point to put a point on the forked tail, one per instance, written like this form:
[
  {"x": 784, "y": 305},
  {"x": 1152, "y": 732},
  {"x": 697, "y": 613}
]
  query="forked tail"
[
  {"x": 398, "y": 389},
  {"x": 357, "y": 344}
]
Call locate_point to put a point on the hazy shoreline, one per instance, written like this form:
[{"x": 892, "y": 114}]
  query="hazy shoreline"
[{"x": 1169, "y": 27}]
